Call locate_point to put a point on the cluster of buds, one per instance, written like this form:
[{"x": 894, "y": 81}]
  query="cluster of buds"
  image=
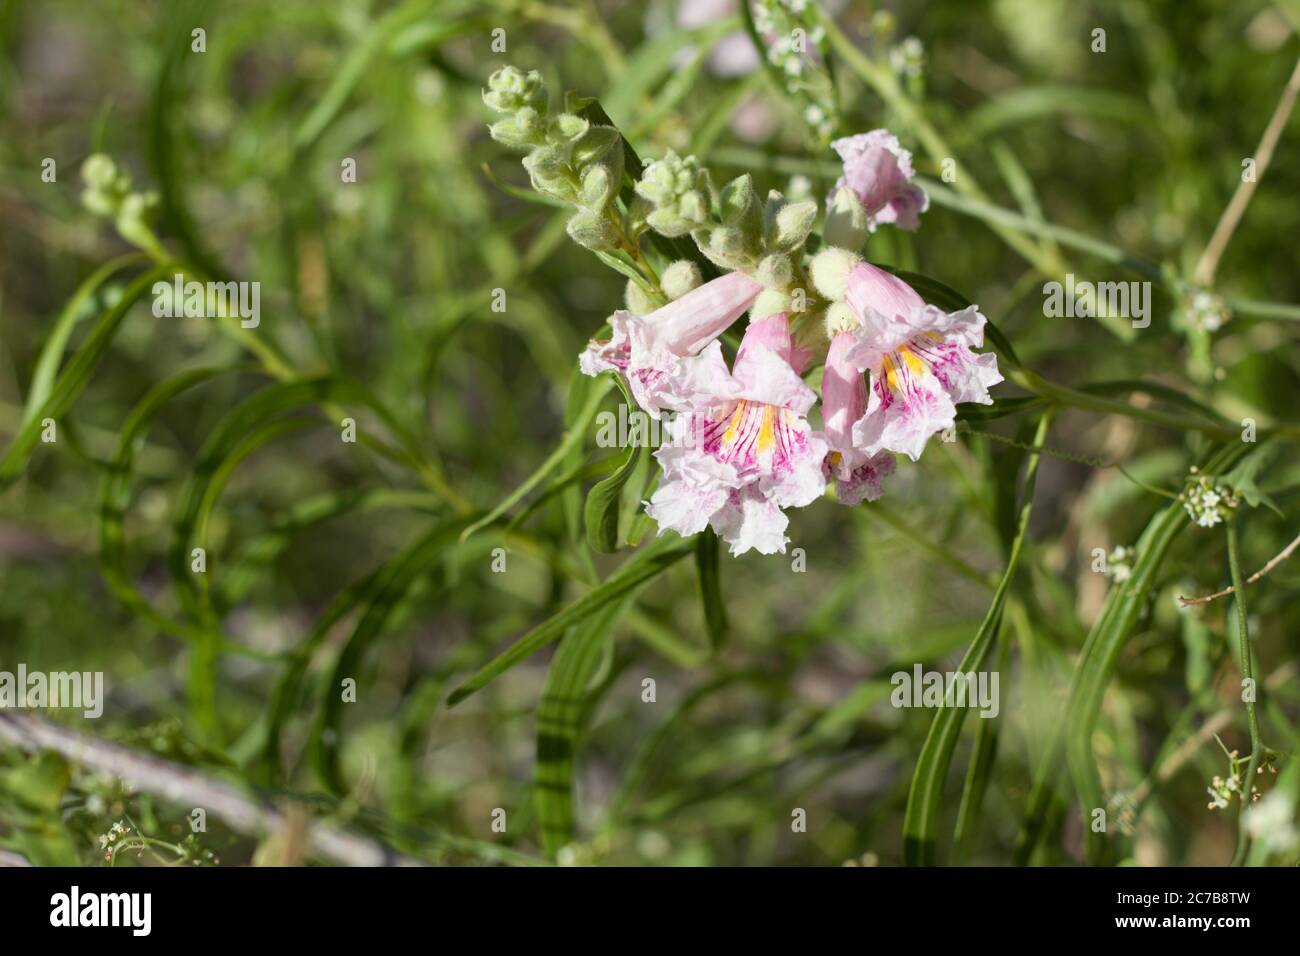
[
  {"x": 108, "y": 193},
  {"x": 733, "y": 227},
  {"x": 568, "y": 158},
  {"x": 907, "y": 59},
  {"x": 1208, "y": 504}
]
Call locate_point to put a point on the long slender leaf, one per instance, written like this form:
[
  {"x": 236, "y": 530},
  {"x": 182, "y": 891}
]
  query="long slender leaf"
[
  {"x": 925, "y": 798},
  {"x": 654, "y": 559},
  {"x": 565, "y": 697}
]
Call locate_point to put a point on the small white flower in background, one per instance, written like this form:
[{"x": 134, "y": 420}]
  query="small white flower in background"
[
  {"x": 1207, "y": 504},
  {"x": 908, "y": 58},
  {"x": 1119, "y": 564},
  {"x": 1207, "y": 311},
  {"x": 1221, "y": 791},
  {"x": 1272, "y": 821},
  {"x": 118, "y": 829}
]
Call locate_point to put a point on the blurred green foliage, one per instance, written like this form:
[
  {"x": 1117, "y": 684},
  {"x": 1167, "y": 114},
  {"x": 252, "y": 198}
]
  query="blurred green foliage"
[{"x": 330, "y": 561}]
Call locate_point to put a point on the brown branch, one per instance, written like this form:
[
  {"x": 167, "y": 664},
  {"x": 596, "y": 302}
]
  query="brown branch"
[
  {"x": 1277, "y": 559},
  {"x": 1209, "y": 262},
  {"x": 189, "y": 787}
]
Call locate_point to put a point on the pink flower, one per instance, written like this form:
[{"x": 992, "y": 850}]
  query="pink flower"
[
  {"x": 879, "y": 172},
  {"x": 844, "y": 401},
  {"x": 651, "y": 351},
  {"x": 920, "y": 359},
  {"x": 746, "y": 451}
]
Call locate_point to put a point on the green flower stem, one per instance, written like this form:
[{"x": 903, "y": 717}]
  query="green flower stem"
[
  {"x": 1066, "y": 396},
  {"x": 936, "y": 551},
  {"x": 760, "y": 49},
  {"x": 992, "y": 213},
  {"x": 1248, "y": 674}
]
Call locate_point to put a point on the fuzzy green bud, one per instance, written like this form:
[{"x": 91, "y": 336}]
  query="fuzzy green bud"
[
  {"x": 568, "y": 128},
  {"x": 787, "y": 224},
  {"x": 769, "y": 302},
  {"x": 591, "y": 230},
  {"x": 680, "y": 278},
  {"x": 680, "y": 192},
  {"x": 775, "y": 271},
  {"x": 510, "y": 90},
  {"x": 830, "y": 270},
  {"x": 106, "y": 185}
]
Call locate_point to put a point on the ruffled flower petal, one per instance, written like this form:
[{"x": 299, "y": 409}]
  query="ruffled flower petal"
[
  {"x": 653, "y": 352},
  {"x": 745, "y": 453},
  {"x": 879, "y": 172},
  {"x": 920, "y": 359},
  {"x": 857, "y": 476}
]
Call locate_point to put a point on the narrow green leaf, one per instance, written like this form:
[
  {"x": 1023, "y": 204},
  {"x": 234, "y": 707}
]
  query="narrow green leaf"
[
  {"x": 601, "y": 512},
  {"x": 47, "y": 366},
  {"x": 76, "y": 374},
  {"x": 560, "y": 715},
  {"x": 573, "y": 436},
  {"x": 1123, "y": 606},
  {"x": 925, "y": 798},
  {"x": 657, "y": 557},
  {"x": 378, "y": 598},
  {"x": 115, "y": 495},
  {"x": 709, "y": 576}
]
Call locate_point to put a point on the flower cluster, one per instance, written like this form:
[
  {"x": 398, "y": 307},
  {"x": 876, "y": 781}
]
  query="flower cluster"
[
  {"x": 1223, "y": 789},
  {"x": 744, "y": 439},
  {"x": 742, "y": 447},
  {"x": 1119, "y": 563},
  {"x": 1207, "y": 503},
  {"x": 108, "y": 841},
  {"x": 1206, "y": 311}
]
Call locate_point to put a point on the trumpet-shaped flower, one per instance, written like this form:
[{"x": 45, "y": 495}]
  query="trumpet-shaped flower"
[
  {"x": 653, "y": 352},
  {"x": 920, "y": 358},
  {"x": 879, "y": 172},
  {"x": 857, "y": 475},
  {"x": 746, "y": 451}
]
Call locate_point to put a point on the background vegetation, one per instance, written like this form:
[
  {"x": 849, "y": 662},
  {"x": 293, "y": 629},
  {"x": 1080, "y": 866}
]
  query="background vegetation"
[{"x": 329, "y": 560}]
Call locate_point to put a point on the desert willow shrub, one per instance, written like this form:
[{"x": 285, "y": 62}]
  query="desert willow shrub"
[
  {"x": 785, "y": 350},
  {"x": 740, "y": 448},
  {"x": 842, "y": 365}
]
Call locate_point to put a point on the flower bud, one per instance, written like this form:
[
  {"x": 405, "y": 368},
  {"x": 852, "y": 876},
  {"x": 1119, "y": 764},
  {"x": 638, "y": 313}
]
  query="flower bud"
[
  {"x": 769, "y": 302},
  {"x": 680, "y": 278},
  {"x": 830, "y": 270},
  {"x": 775, "y": 271},
  {"x": 590, "y": 230},
  {"x": 789, "y": 223},
  {"x": 510, "y": 89}
]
